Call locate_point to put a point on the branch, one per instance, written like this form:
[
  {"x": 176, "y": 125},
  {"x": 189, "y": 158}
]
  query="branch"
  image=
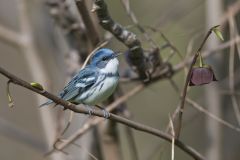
[
  {"x": 163, "y": 74},
  {"x": 93, "y": 122},
  {"x": 134, "y": 19},
  {"x": 207, "y": 53},
  {"x": 137, "y": 58},
  {"x": 184, "y": 92},
  {"x": 113, "y": 117},
  {"x": 210, "y": 115},
  {"x": 74, "y": 33},
  {"x": 200, "y": 109},
  {"x": 88, "y": 22},
  {"x": 233, "y": 32},
  {"x": 232, "y": 9}
]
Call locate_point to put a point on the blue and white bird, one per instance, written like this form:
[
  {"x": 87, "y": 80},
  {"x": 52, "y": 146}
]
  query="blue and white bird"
[{"x": 95, "y": 83}]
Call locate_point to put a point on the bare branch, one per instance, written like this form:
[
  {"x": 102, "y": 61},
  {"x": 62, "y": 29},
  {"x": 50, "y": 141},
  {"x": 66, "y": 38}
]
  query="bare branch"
[
  {"x": 233, "y": 9},
  {"x": 231, "y": 69},
  {"x": 92, "y": 32},
  {"x": 173, "y": 137},
  {"x": 84, "y": 110},
  {"x": 163, "y": 74},
  {"x": 93, "y": 122},
  {"x": 85, "y": 149},
  {"x": 214, "y": 117},
  {"x": 35, "y": 65},
  {"x": 207, "y": 53},
  {"x": 184, "y": 92},
  {"x": 201, "y": 109},
  {"x": 130, "y": 138},
  {"x": 134, "y": 19},
  {"x": 93, "y": 51}
]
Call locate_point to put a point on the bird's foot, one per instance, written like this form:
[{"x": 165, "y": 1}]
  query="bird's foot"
[
  {"x": 106, "y": 114},
  {"x": 90, "y": 110}
]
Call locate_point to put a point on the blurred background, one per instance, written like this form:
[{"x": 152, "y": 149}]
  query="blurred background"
[{"x": 48, "y": 41}]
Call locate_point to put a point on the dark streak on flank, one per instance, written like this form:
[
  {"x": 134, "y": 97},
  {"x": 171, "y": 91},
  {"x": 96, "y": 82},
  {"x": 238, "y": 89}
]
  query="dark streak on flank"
[{"x": 101, "y": 86}]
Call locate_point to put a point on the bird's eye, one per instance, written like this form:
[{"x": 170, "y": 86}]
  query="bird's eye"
[{"x": 104, "y": 58}]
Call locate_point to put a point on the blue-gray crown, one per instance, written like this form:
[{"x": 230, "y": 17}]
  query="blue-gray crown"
[{"x": 102, "y": 56}]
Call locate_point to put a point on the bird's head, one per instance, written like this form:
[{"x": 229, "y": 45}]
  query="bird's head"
[{"x": 106, "y": 60}]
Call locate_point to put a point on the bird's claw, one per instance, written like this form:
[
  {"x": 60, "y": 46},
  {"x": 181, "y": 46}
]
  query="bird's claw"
[
  {"x": 106, "y": 114},
  {"x": 90, "y": 111}
]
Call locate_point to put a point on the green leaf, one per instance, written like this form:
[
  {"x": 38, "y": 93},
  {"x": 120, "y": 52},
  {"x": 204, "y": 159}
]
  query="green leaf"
[
  {"x": 218, "y": 33},
  {"x": 10, "y": 99},
  {"x": 37, "y": 85}
]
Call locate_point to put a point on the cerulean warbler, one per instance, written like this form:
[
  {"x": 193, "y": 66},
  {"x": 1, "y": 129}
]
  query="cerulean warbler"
[{"x": 95, "y": 83}]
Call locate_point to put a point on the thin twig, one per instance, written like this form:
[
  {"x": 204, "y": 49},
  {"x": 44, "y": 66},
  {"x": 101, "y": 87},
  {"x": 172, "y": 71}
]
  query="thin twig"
[
  {"x": 130, "y": 138},
  {"x": 214, "y": 117},
  {"x": 90, "y": 55},
  {"x": 232, "y": 9},
  {"x": 234, "y": 26},
  {"x": 93, "y": 122},
  {"x": 83, "y": 110},
  {"x": 128, "y": 38},
  {"x": 231, "y": 70},
  {"x": 35, "y": 65},
  {"x": 123, "y": 110},
  {"x": 167, "y": 40},
  {"x": 201, "y": 109},
  {"x": 227, "y": 92},
  {"x": 173, "y": 137},
  {"x": 178, "y": 67},
  {"x": 184, "y": 92},
  {"x": 85, "y": 149},
  {"x": 92, "y": 32},
  {"x": 134, "y": 19}
]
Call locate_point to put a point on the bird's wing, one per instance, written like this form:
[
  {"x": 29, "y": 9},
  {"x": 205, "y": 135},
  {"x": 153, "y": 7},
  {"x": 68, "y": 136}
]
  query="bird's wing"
[{"x": 79, "y": 83}]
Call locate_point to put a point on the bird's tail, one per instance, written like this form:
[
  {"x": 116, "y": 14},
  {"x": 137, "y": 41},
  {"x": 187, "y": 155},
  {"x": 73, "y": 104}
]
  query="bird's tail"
[{"x": 46, "y": 103}]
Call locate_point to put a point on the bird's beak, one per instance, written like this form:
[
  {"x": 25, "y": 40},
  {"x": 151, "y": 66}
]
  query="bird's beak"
[{"x": 118, "y": 54}]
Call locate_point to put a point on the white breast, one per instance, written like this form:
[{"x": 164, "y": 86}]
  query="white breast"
[
  {"x": 100, "y": 92},
  {"x": 111, "y": 67},
  {"x": 104, "y": 86}
]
